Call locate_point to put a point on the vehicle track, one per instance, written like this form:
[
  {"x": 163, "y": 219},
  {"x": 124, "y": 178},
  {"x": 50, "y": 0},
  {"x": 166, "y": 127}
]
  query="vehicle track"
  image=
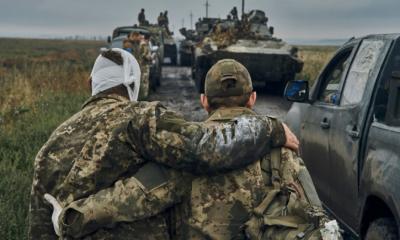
[{"x": 178, "y": 92}]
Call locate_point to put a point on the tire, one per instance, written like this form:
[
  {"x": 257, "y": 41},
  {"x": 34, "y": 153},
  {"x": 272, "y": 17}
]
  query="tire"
[
  {"x": 174, "y": 60},
  {"x": 186, "y": 60},
  {"x": 382, "y": 228}
]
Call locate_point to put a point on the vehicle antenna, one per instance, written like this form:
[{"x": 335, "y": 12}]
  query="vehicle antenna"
[
  {"x": 191, "y": 20},
  {"x": 243, "y": 1},
  {"x": 207, "y": 6}
]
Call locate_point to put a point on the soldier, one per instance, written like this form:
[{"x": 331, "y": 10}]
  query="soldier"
[
  {"x": 146, "y": 61},
  {"x": 142, "y": 18},
  {"x": 127, "y": 46},
  {"x": 166, "y": 20},
  {"x": 141, "y": 52},
  {"x": 112, "y": 138},
  {"x": 273, "y": 198},
  {"x": 234, "y": 13},
  {"x": 161, "y": 20}
]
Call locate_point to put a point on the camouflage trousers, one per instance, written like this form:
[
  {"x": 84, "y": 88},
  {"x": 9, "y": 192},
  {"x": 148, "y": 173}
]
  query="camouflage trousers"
[{"x": 144, "y": 82}]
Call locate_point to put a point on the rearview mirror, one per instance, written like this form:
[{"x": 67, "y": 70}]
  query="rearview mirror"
[{"x": 297, "y": 91}]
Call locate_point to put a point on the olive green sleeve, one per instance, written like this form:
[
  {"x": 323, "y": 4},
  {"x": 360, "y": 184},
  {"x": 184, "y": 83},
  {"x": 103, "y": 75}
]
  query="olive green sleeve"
[
  {"x": 203, "y": 148},
  {"x": 128, "y": 200}
]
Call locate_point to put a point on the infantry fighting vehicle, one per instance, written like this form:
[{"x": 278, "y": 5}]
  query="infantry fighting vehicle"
[
  {"x": 250, "y": 41},
  {"x": 203, "y": 27}
]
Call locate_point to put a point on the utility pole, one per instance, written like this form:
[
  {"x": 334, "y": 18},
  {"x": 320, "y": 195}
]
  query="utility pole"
[
  {"x": 183, "y": 22},
  {"x": 191, "y": 20},
  {"x": 207, "y": 6},
  {"x": 243, "y": 7}
]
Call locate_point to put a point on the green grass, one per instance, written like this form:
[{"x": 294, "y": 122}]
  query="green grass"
[
  {"x": 19, "y": 145},
  {"x": 315, "y": 58},
  {"x": 42, "y": 83}
]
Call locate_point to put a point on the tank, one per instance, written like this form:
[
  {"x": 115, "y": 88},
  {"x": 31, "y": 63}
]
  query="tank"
[{"x": 270, "y": 61}]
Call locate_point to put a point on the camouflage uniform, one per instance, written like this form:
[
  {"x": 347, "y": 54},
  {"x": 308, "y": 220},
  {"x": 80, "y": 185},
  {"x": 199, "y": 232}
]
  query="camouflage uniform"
[
  {"x": 145, "y": 62},
  {"x": 111, "y": 139},
  {"x": 221, "y": 204},
  {"x": 161, "y": 20},
  {"x": 141, "y": 52},
  {"x": 142, "y": 18},
  {"x": 265, "y": 200}
]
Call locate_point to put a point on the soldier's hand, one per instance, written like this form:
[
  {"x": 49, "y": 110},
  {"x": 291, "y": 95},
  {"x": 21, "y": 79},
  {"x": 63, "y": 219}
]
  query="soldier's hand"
[
  {"x": 291, "y": 140},
  {"x": 57, "y": 209}
]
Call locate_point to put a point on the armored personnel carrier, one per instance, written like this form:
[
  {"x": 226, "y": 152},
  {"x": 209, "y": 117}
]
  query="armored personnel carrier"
[
  {"x": 203, "y": 27},
  {"x": 270, "y": 61}
]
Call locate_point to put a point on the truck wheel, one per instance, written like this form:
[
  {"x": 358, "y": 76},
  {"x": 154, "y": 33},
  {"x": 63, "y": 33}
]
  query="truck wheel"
[
  {"x": 174, "y": 60},
  {"x": 382, "y": 228}
]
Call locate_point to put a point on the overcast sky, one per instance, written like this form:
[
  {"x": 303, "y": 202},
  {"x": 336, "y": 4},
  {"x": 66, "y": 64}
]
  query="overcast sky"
[{"x": 292, "y": 19}]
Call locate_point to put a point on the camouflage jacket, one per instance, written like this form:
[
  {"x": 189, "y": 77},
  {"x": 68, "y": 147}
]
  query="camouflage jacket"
[
  {"x": 111, "y": 138},
  {"x": 145, "y": 53},
  {"x": 271, "y": 188},
  {"x": 221, "y": 204}
]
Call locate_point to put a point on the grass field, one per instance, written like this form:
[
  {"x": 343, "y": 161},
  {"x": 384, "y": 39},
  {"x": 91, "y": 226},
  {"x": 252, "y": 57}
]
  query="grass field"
[
  {"x": 315, "y": 58},
  {"x": 42, "y": 83}
]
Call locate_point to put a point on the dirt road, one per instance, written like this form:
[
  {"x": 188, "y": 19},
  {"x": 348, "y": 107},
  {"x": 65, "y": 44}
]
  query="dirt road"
[{"x": 178, "y": 92}]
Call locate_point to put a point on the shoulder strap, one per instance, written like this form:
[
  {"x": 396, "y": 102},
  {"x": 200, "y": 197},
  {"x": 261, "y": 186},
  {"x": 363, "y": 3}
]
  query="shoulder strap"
[{"x": 275, "y": 168}]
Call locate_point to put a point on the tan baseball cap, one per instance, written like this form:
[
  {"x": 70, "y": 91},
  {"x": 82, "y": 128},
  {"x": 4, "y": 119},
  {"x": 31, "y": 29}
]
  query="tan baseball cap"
[{"x": 227, "y": 78}]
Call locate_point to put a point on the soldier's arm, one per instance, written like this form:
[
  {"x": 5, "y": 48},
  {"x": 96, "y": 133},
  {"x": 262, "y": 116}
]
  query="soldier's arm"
[
  {"x": 150, "y": 191},
  {"x": 201, "y": 148}
]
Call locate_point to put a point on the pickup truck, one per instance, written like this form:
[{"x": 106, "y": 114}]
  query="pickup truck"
[{"x": 348, "y": 124}]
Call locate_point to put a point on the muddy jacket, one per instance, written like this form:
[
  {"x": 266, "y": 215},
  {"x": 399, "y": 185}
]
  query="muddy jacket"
[
  {"x": 111, "y": 138},
  {"x": 220, "y": 205},
  {"x": 268, "y": 191}
]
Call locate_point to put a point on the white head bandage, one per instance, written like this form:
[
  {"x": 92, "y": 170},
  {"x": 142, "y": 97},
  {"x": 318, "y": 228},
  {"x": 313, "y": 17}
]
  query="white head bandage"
[{"x": 107, "y": 74}]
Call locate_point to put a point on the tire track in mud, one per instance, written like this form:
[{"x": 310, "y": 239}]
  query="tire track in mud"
[{"x": 178, "y": 92}]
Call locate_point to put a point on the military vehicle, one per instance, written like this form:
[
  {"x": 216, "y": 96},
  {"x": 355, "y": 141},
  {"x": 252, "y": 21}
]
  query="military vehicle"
[
  {"x": 349, "y": 127},
  {"x": 186, "y": 47},
  {"x": 156, "y": 45},
  {"x": 250, "y": 41},
  {"x": 205, "y": 25},
  {"x": 170, "y": 48}
]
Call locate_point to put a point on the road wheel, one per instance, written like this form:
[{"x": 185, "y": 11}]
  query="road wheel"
[{"x": 382, "y": 228}]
